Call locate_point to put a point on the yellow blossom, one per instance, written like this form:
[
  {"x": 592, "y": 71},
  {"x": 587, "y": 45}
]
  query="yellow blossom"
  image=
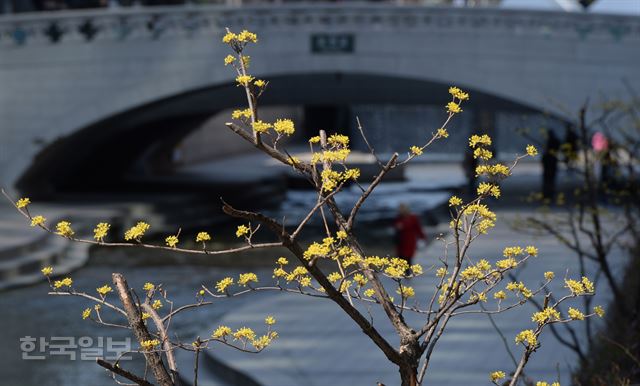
[
  {"x": 341, "y": 235},
  {"x": 171, "y": 241},
  {"x": 549, "y": 275},
  {"x": 457, "y": 93},
  {"x": 221, "y": 332},
  {"x": 369, "y": 292},
  {"x": 284, "y": 126},
  {"x": 532, "y": 151},
  {"x": 453, "y": 108},
  {"x": 261, "y": 127},
  {"x": 244, "y": 80},
  {"x": 575, "y": 314},
  {"x": 37, "y": 220},
  {"x": 259, "y": 83},
  {"x": 202, "y": 237},
  {"x": 23, "y": 202},
  {"x": 598, "y": 310},
  {"x": 441, "y": 272},
  {"x": 66, "y": 282},
  {"x": 476, "y": 140},
  {"x": 241, "y": 114},
  {"x": 145, "y": 316},
  {"x": 148, "y": 286},
  {"x": 100, "y": 231},
  {"x": 244, "y": 333},
  {"x": 270, "y": 320},
  {"x": 497, "y": 375},
  {"x": 282, "y": 261},
  {"x": 500, "y": 295},
  {"x": 406, "y": 292},
  {"x": 531, "y": 250},
  {"x": 242, "y": 230},
  {"x": 246, "y": 36},
  {"x": 229, "y": 59},
  {"x": 527, "y": 336},
  {"x": 223, "y": 284},
  {"x": 47, "y": 271},
  {"x": 104, "y": 290},
  {"x": 137, "y": 231},
  {"x": 245, "y": 278},
  {"x": 156, "y": 305},
  {"x": 63, "y": 228},
  {"x": 455, "y": 201},
  {"x": 315, "y": 139},
  {"x": 229, "y": 37},
  {"x": 442, "y": 133},
  {"x": 415, "y": 150},
  {"x": 149, "y": 344},
  {"x": 547, "y": 315},
  {"x": 86, "y": 313}
]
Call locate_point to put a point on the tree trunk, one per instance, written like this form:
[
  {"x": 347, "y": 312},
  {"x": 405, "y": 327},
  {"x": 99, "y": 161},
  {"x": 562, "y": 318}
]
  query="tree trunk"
[{"x": 409, "y": 375}]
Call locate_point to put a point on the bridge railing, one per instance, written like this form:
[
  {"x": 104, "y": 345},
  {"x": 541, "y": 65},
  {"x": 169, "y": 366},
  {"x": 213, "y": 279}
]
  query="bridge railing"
[{"x": 126, "y": 23}]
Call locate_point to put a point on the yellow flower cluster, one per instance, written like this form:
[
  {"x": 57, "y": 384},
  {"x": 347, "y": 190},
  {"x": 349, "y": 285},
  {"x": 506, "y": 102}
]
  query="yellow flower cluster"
[
  {"x": 241, "y": 114},
  {"x": 63, "y": 228},
  {"x": 149, "y": 344},
  {"x": 100, "y": 231},
  {"x": 520, "y": 288},
  {"x": 547, "y": 315},
  {"x": 242, "y": 230},
  {"x": 598, "y": 310},
  {"x": 38, "y": 220},
  {"x": 229, "y": 59},
  {"x": 245, "y": 278},
  {"x": 156, "y": 305},
  {"x": 442, "y": 133},
  {"x": 261, "y": 126},
  {"x": 498, "y": 170},
  {"x": 221, "y": 332},
  {"x": 500, "y": 295},
  {"x": 549, "y": 275},
  {"x": 223, "y": 284},
  {"x": 455, "y": 201},
  {"x": 532, "y": 151},
  {"x": 453, "y": 108},
  {"x": 512, "y": 251},
  {"x": 202, "y": 237},
  {"x": 66, "y": 282},
  {"x": 486, "y": 216},
  {"x": 47, "y": 271},
  {"x": 148, "y": 286},
  {"x": 476, "y": 140},
  {"x": 396, "y": 268},
  {"x": 137, "y": 231},
  {"x": 406, "y": 292},
  {"x": 259, "y": 83},
  {"x": 585, "y": 286},
  {"x": 284, "y": 126},
  {"x": 171, "y": 241},
  {"x": 489, "y": 189},
  {"x": 575, "y": 314},
  {"x": 23, "y": 202},
  {"x": 86, "y": 313},
  {"x": 360, "y": 280},
  {"x": 339, "y": 155},
  {"x": 528, "y": 337},
  {"x": 331, "y": 178},
  {"x": 541, "y": 383},
  {"x": 482, "y": 153},
  {"x": 244, "y": 80},
  {"x": 457, "y": 93},
  {"x": 334, "y": 277},
  {"x": 269, "y": 320},
  {"x": 416, "y": 150},
  {"x": 496, "y": 376},
  {"x": 104, "y": 290}
]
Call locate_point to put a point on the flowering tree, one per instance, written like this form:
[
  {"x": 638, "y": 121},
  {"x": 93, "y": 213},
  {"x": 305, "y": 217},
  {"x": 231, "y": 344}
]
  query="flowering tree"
[
  {"x": 601, "y": 214},
  {"x": 464, "y": 282}
]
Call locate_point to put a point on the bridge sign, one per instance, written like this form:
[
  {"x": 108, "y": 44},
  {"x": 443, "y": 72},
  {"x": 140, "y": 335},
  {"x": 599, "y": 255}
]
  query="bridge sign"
[{"x": 332, "y": 43}]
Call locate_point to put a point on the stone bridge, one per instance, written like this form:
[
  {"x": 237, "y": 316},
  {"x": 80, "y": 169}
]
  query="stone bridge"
[{"x": 84, "y": 93}]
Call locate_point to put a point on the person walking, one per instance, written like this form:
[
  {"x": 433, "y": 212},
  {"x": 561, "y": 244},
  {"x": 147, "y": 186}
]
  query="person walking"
[{"x": 408, "y": 231}]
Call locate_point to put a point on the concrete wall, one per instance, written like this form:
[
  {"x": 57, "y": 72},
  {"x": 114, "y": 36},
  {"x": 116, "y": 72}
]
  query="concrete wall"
[{"x": 48, "y": 90}]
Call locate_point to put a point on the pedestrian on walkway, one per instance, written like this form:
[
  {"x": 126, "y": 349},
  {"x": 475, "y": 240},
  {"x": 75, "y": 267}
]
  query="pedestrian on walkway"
[{"x": 407, "y": 232}]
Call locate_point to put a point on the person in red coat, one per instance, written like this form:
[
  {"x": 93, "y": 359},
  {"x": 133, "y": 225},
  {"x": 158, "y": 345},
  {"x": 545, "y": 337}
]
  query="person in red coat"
[{"x": 408, "y": 231}]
